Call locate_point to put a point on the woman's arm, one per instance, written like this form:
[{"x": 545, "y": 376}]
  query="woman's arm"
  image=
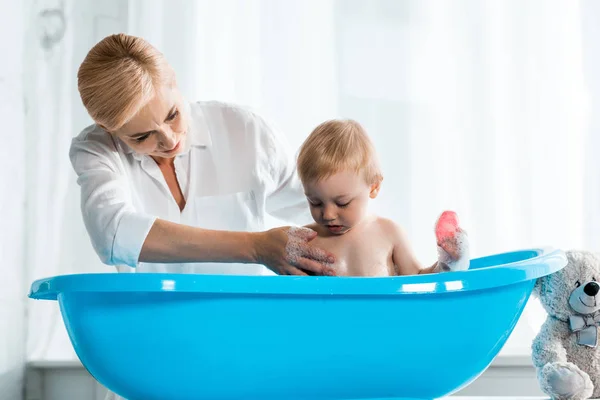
[
  {"x": 122, "y": 236},
  {"x": 168, "y": 242}
]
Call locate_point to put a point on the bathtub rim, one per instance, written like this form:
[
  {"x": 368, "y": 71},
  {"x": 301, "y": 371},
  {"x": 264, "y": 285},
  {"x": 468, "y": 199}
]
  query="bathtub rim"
[{"x": 547, "y": 261}]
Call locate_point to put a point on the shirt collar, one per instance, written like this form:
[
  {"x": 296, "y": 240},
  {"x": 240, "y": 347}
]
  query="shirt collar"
[{"x": 198, "y": 134}]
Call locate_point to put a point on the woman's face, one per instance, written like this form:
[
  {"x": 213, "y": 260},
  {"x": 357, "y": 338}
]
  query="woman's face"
[{"x": 159, "y": 129}]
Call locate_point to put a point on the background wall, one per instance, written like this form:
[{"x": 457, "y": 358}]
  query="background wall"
[{"x": 12, "y": 202}]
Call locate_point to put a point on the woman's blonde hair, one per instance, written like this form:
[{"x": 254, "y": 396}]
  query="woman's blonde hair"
[
  {"x": 118, "y": 77},
  {"x": 335, "y": 146}
]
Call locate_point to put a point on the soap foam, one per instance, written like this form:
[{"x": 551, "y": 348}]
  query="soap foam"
[
  {"x": 297, "y": 247},
  {"x": 447, "y": 263},
  {"x": 449, "y": 233},
  {"x": 297, "y": 238}
]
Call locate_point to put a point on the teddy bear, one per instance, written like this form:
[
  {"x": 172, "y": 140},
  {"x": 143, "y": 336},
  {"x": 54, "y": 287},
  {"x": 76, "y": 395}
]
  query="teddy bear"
[{"x": 566, "y": 351}]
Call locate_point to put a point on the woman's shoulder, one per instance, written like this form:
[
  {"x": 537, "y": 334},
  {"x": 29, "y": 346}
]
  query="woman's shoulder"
[
  {"x": 93, "y": 145},
  {"x": 93, "y": 135}
]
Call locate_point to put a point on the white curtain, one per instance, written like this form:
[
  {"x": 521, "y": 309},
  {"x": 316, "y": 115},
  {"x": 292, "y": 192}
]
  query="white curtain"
[
  {"x": 55, "y": 239},
  {"x": 275, "y": 56},
  {"x": 48, "y": 130},
  {"x": 12, "y": 199},
  {"x": 476, "y": 106}
]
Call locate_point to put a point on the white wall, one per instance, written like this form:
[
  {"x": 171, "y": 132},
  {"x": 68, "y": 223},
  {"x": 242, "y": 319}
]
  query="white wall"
[
  {"x": 590, "y": 10},
  {"x": 12, "y": 195}
]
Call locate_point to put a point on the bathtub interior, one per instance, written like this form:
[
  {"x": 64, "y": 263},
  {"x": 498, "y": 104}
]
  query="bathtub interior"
[{"x": 504, "y": 259}]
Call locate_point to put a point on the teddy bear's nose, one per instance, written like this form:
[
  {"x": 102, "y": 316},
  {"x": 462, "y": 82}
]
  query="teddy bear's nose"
[{"x": 591, "y": 289}]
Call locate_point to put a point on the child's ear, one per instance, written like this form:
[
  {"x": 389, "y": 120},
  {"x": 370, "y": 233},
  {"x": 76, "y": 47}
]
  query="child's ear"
[{"x": 375, "y": 189}]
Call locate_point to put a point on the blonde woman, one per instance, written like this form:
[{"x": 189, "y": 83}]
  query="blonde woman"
[{"x": 173, "y": 186}]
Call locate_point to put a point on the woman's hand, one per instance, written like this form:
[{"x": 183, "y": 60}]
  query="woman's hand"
[{"x": 286, "y": 251}]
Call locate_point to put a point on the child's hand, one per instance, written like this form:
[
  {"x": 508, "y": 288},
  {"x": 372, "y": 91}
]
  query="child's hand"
[{"x": 453, "y": 243}]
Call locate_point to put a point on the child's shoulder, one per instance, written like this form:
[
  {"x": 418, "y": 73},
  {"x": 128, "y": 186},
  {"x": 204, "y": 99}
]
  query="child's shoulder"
[
  {"x": 385, "y": 223},
  {"x": 389, "y": 227}
]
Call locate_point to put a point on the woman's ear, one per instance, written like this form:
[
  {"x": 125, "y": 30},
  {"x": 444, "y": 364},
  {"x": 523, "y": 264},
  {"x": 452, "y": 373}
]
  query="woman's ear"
[{"x": 375, "y": 189}]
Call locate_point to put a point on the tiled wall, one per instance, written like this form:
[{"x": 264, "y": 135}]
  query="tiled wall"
[{"x": 12, "y": 176}]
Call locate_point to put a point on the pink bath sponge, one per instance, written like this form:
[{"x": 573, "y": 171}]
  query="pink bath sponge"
[
  {"x": 452, "y": 241},
  {"x": 446, "y": 227}
]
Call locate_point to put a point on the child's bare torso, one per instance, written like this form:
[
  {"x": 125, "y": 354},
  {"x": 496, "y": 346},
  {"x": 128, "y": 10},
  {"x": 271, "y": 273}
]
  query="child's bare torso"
[{"x": 366, "y": 250}]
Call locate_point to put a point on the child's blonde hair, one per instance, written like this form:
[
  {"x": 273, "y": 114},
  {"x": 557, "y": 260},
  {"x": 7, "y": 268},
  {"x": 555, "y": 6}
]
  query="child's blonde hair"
[
  {"x": 118, "y": 77},
  {"x": 335, "y": 146}
]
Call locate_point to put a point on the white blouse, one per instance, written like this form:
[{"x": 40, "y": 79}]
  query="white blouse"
[{"x": 235, "y": 173}]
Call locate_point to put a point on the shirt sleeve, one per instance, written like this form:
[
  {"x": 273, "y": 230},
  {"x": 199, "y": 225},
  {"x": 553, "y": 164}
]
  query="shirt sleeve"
[
  {"x": 116, "y": 230},
  {"x": 285, "y": 200}
]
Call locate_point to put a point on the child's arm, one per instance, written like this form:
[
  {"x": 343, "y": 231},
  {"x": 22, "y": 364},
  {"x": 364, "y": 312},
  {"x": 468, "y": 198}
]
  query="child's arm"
[{"x": 403, "y": 256}]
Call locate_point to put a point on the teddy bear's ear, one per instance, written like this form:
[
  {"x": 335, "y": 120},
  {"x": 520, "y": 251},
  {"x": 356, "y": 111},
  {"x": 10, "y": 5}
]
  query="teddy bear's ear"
[{"x": 537, "y": 288}]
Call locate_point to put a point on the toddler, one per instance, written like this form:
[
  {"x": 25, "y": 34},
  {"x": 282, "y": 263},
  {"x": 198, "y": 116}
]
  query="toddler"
[{"x": 340, "y": 172}]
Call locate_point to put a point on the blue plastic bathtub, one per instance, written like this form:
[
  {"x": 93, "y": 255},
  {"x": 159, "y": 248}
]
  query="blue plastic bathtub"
[{"x": 191, "y": 337}]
